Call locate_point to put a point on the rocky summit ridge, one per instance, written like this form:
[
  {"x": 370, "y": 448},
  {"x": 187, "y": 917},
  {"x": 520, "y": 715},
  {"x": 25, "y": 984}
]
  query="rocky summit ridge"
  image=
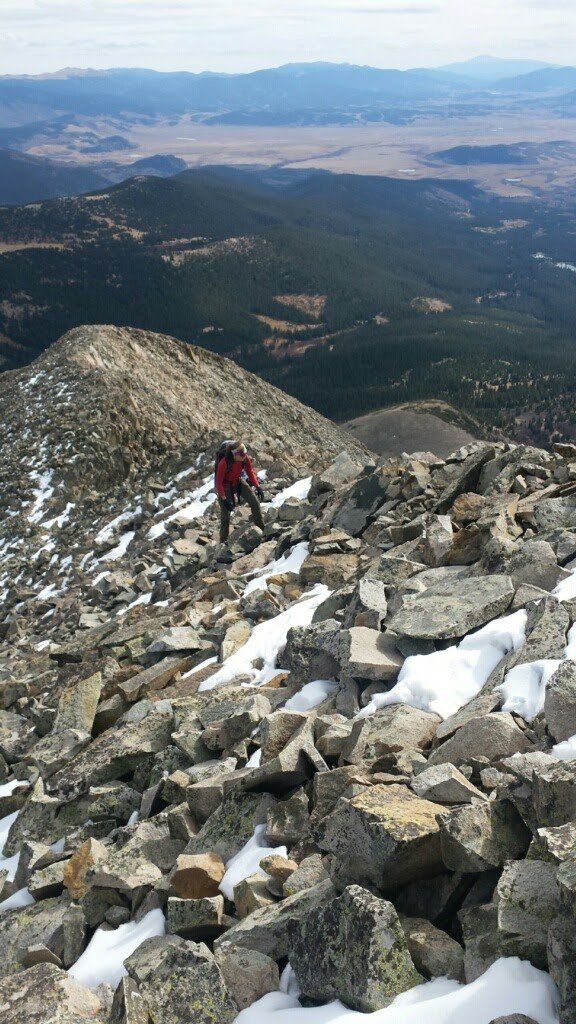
[
  {"x": 104, "y": 403},
  {"x": 337, "y": 757}
]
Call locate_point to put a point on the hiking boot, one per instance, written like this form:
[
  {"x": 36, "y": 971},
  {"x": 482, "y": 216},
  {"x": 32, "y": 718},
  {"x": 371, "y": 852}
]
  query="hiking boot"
[{"x": 224, "y": 554}]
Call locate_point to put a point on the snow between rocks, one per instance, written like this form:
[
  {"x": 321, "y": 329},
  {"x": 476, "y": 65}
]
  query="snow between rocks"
[
  {"x": 509, "y": 986},
  {"x": 247, "y": 861},
  {"x": 266, "y": 642},
  {"x": 444, "y": 681},
  {"x": 103, "y": 959}
]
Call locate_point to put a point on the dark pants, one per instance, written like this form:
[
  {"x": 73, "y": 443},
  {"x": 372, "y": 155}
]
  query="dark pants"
[{"x": 247, "y": 494}]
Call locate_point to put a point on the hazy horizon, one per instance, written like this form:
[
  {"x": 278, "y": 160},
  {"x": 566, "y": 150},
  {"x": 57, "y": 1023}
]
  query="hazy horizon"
[
  {"x": 207, "y": 71},
  {"x": 45, "y": 36}
]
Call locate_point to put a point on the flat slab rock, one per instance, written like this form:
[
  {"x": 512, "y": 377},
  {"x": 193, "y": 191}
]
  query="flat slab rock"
[
  {"x": 44, "y": 994},
  {"x": 453, "y": 608},
  {"x": 369, "y": 654}
]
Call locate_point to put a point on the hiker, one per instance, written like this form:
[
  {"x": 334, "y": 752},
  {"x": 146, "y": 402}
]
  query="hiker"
[{"x": 234, "y": 474}]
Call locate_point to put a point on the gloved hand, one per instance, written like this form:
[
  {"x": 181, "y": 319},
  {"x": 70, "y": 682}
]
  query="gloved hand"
[
  {"x": 228, "y": 503},
  {"x": 260, "y": 493}
]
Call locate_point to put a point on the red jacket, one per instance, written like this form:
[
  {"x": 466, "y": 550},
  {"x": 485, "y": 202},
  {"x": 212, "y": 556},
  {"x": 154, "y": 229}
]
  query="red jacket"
[{"x": 228, "y": 479}]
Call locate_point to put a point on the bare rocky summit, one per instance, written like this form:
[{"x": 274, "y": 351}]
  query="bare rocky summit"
[
  {"x": 105, "y": 402},
  {"x": 341, "y": 742}
]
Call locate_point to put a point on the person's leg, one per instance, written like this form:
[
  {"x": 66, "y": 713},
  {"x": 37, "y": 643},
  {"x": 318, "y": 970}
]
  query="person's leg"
[
  {"x": 249, "y": 496},
  {"x": 224, "y": 522}
]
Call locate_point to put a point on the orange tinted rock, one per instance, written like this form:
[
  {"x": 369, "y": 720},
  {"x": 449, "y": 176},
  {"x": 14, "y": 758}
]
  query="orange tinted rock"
[
  {"x": 197, "y": 875},
  {"x": 85, "y": 857}
]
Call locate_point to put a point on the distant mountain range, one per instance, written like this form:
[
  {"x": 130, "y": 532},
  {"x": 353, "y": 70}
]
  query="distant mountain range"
[
  {"x": 492, "y": 69},
  {"x": 76, "y": 126},
  {"x": 298, "y": 90}
]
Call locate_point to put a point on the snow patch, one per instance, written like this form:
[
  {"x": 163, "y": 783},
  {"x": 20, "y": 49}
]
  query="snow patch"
[
  {"x": 107, "y": 532},
  {"x": 9, "y": 787},
  {"x": 143, "y": 599},
  {"x": 444, "y": 681},
  {"x": 311, "y": 695},
  {"x": 266, "y": 642},
  {"x": 121, "y": 548},
  {"x": 255, "y": 759},
  {"x": 8, "y": 864},
  {"x": 103, "y": 959},
  {"x": 524, "y": 687},
  {"x": 291, "y": 561},
  {"x": 299, "y": 490},
  {"x": 189, "y": 508},
  {"x": 42, "y": 494},
  {"x": 247, "y": 861},
  {"x": 565, "y": 751},
  {"x": 59, "y": 521},
  {"x": 509, "y": 986},
  {"x": 22, "y": 898}
]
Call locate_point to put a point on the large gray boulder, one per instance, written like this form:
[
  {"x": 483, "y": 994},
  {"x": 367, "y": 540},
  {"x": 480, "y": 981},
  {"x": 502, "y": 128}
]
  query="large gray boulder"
[
  {"x": 368, "y": 606},
  {"x": 521, "y": 771},
  {"x": 36, "y": 821},
  {"x": 485, "y": 943},
  {"x": 292, "y": 766},
  {"x": 535, "y": 564},
  {"x": 493, "y": 736},
  {"x": 466, "y": 478},
  {"x": 480, "y": 836},
  {"x": 179, "y": 982},
  {"x": 444, "y": 784},
  {"x": 17, "y": 735},
  {"x": 139, "y": 858},
  {"x": 37, "y": 924},
  {"x": 340, "y": 472},
  {"x": 528, "y": 898},
  {"x": 567, "y": 881},
  {"x": 360, "y": 502},
  {"x": 117, "y": 751},
  {"x": 560, "y": 702},
  {"x": 47, "y": 995},
  {"x": 230, "y": 721},
  {"x": 434, "y": 953},
  {"x": 248, "y": 975},
  {"x": 353, "y": 949},
  {"x": 555, "y": 514},
  {"x": 547, "y": 623},
  {"x": 400, "y": 727},
  {"x": 72, "y": 726},
  {"x": 231, "y": 825},
  {"x": 267, "y": 929},
  {"x": 562, "y": 965},
  {"x": 369, "y": 654},
  {"x": 381, "y": 838},
  {"x": 311, "y": 652},
  {"x": 554, "y": 793},
  {"x": 453, "y": 608}
]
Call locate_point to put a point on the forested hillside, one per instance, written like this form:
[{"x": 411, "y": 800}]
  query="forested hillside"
[{"x": 349, "y": 292}]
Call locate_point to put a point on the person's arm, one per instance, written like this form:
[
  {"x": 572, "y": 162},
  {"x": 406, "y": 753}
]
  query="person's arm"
[
  {"x": 250, "y": 472},
  {"x": 220, "y": 474}
]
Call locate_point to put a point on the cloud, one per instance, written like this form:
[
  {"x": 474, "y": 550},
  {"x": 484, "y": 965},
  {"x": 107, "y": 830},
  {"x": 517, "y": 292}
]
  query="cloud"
[{"x": 408, "y": 9}]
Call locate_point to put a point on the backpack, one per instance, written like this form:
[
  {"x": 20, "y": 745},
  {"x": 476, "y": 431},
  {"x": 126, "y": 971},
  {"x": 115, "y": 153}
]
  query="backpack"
[{"x": 221, "y": 453}]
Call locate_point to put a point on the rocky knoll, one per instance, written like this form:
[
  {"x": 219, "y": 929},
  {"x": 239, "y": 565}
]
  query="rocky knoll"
[
  {"x": 105, "y": 402},
  {"x": 336, "y": 758}
]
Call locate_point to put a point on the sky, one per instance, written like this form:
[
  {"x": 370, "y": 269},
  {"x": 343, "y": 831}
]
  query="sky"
[{"x": 242, "y": 35}]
